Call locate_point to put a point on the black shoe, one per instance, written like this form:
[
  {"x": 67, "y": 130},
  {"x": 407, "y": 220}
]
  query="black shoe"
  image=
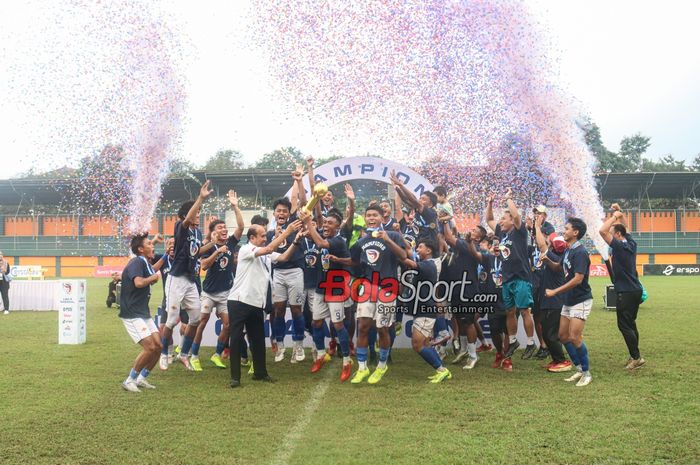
[
  {"x": 512, "y": 347},
  {"x": 235, "y": 383},
  {"x": 265, "y": 378},
  {"x": 529, "y": 351},
  {"x": 542, "y": 354}
]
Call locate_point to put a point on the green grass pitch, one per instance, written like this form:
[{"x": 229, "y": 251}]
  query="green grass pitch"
[{"x": 64, "y": 405}]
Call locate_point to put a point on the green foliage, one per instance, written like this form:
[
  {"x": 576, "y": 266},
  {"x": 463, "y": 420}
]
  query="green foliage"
[
  {"x": 180, "y": 167},
  {"x": 285, "y": 158},
  {"x": 224, "y": 160}
]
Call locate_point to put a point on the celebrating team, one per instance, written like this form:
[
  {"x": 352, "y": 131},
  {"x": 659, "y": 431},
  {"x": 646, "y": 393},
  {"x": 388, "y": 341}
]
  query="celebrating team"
[{"x": 363, "y": 273}]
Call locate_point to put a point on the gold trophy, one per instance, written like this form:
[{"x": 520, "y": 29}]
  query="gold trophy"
[{"x": 320, "y": 190}]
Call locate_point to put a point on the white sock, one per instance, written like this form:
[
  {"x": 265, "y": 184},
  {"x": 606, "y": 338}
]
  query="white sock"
[
  {"x": 280, "y": 347},
  {"x": 471, "y": 348},
  {"x": 463, "y": 341},
  {"x": 512, "y": 339},
  {"x": 297, "y": 344},
  {"x": 530, "y": 341},
  {"x": 362, "y": 365},
  {"x": 346, "y": 360},
  {"x": 321, "y": 353},
  {"x": 140, "y": 378},
  {"x": 381, "y": 365}
]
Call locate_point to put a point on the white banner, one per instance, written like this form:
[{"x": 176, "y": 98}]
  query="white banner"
[
  {"x": 378, "y": 169},
  {"x": 71, "y": 301}
]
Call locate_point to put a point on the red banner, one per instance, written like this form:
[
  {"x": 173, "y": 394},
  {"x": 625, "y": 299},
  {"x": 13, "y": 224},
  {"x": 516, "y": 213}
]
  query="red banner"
[
  {"x": 598, "y": 270},
  {"x": 106, "y": 271}
]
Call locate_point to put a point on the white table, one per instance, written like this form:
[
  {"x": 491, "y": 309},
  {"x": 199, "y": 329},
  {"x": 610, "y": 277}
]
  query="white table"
[{"x": 33, "y": 295}]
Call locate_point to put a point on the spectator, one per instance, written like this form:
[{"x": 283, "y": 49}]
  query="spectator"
[
  {"x": 5, "y": 279},
  {"x": 112, "y": 296}
]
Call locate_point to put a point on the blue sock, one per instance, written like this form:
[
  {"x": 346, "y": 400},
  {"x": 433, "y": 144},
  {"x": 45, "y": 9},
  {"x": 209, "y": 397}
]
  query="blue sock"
[
  {"x": 344, "y": 340},
  {"x": 298, "y": 334},
  {"x": 371, "y": 340},
  {"x": 319, "y": 338},
  {"x": 195, "y": 349},
  {"x": 280, "y": 328},
  {"x": 186, "y": 345},
  {"x": 582, "y": 352},
  {"x": 362, "y": 354},
  {"x": 219, "y": 347},
  {"x": 383, "y": 354},
  {"x": 431, "y": 356},
  {"x": 573, "y": 353},
  {"x": 440, "y": 324},
  {"x": 133, "y": 374},
  {"x": 164, "y": 341},
  {"x": 145, "y": 373},
  {"x": 347, "y": 323}
]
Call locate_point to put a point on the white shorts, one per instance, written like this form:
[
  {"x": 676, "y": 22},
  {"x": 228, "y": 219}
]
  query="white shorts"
[
  {"x": 139, "y": 328},
  {"x": 181, "y": 293},
  {"x": 309, "y": 298},
  {"x": 424, "y": 326},
  {"x": 333, "y": 310},
  {"x": 382, "y": 312},
  {"x": 217, "y": 301},
  {"x": 288, "y": 286},
  {"x": 580, "y": 311}
]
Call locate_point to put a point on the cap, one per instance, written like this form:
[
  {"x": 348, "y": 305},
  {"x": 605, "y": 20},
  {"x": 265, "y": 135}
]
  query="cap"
[
  {"x": 558, "y": 243},
  {"x": 539, "y": 209}
]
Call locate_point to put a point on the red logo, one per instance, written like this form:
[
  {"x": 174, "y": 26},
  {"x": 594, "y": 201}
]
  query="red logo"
[
  {"x": 598, "y": 270},
  {"x": 337, "y": 288}
]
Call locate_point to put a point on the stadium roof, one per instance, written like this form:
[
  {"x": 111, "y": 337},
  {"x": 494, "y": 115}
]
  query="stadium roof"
[{"x": 274, "y": 183}]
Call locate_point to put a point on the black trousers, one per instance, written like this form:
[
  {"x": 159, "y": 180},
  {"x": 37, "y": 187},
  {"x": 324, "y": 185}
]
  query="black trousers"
[
  {"x": 5, "y": 291},
  {"x": 550, "y": 332},
  {"x": 627, "y": 306},
  {"x": 242, "y": 315}
]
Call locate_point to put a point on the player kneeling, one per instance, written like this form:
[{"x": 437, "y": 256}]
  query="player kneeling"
[{"x": 137, "y": 278}]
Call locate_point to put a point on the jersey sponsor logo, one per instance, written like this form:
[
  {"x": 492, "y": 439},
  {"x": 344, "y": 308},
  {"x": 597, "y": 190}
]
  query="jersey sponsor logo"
[
  {"x": 223, "y": 262},
  {"x": 194, "y": 248},
  {"x": 283, "y": 245},
  {"x": 483, "y": 276},
  {"x": 310, "y": 259},
  {"x": 497, "y": 280},
  {"x": 372, "y": 255},
  {"x": 505, "y": 252}
]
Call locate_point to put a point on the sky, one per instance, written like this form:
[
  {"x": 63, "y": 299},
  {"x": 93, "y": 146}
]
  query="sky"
[{"x": 631, "y": 65}]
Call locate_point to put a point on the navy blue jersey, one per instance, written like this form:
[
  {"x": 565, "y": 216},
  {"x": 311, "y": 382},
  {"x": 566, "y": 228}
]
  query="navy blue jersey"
[
  {"x": 469, "y": 264},
  {"x": 427, "y": 273},
  {"x": 219, "y": 277},
  {"x": 624, "y": 265},
  {"x": 338, "y": 247},
  {"x": 165, "y": 268},
  {"x": 577, "y": 260},
  {"x": 187, "y": 244},
  {"x": 133, "y": 301},
  {"x": 514, "y": 250},
  {"x": 491, "y": 279},
  {"x": 373, "y": 255},
  {"x": 409, "y": 232},
  {"x": 551, "y": 279},
  {"x": 312, "y": 262},
  {"x": 297, "y": 258},
  {"x": 389, "y": 225},
  {"x": 427, "y": 223},
  {"x": 536, "y": 267}
]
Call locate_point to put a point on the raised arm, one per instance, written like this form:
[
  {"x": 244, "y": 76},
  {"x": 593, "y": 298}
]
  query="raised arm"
[
  {"x": 350, "y": 209},
  {"x": 539, "y": 237},
  {"x": 313, "y": 233},
  {"x": 405, "y": 195},
  {"x": 191, "y": 217},
  {"x": 272, "y": 246},
  {"x": 489, "y": 213},
  {"x": 513, "y": 209},
  {"x": 310, "y": 165},
  {"x": 298, "y": 175},
  {"x": 623, "y": 220},
  {"x": 471, "y": 248},
  {"x": 396, "y": 249},
  {"x": 240, "y": 224}
]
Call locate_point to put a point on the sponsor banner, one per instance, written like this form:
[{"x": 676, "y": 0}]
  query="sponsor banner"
[
  {"x": 598, "y": 270},
  {"x": 71, "y": 297},
  {"x": 672, "y": 270},
  {"x": 106, "y": 271},
  {"x": 26, "y": 272},
  {"x": 377, "y": 169}
]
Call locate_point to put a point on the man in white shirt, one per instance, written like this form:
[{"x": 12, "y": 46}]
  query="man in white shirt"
[{"x": 246, "y": 302}]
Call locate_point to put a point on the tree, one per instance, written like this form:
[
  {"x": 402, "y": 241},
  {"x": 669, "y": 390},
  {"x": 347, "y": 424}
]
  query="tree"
[
  {"x": 224, "y": 160},
  {"x": 323, "y": 161},
  {"x": 181, "y": 167},
  {"x": 631, "y": 150},
  {"x": 607, "y": 160},
  {"x": 666, "y": 164},
  {"x": 696, "y": 163},
  {"x": 281, "y": 159}
]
